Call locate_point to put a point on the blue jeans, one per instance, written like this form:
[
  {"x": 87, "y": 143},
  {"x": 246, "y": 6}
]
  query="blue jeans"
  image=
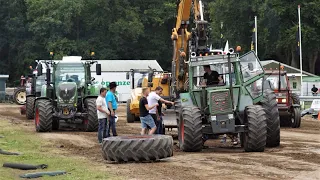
[
  {"x": 102, "y": 130},
  {"x": 112, "y": 125},
  {"x": 159, "y": 127}
]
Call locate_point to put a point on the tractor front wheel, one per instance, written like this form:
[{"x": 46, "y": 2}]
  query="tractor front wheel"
[
  {"x": 130, "y": 117},
  {"x": 269, "y": 103},
  {"x": 295, "y": 117},
  {"x": 254, "y": 140},
  {"x": 30, "y": 107},
  {"x": 190, "y": 130},
  {"x": 43, "y": 115},
  {"x": 91, "y": 123}
]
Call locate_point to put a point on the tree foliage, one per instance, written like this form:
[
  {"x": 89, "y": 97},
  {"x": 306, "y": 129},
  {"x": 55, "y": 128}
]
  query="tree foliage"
[{"x": 141, "y": 29}]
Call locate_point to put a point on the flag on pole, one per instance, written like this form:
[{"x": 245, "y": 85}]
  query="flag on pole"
[{"x": 253, "y": 41}]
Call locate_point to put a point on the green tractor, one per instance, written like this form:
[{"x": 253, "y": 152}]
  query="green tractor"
[
  {"x": 70, "y": 96},
  {"x": 240, "y": 106}
]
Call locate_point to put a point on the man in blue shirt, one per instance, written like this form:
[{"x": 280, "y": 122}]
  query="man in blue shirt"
[{"x": 112, "y": 107}]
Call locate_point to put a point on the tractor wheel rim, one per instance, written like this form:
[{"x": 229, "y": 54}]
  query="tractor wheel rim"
[
  {"x": 181, "y": 130},
  {"x": 37, "y": 118},
  {"x": 21, "y": 97}
]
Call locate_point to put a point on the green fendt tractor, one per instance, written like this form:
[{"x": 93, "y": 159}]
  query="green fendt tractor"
[
  {"x": 237, "y": 105},
  {"x": 69, "y": 95}
]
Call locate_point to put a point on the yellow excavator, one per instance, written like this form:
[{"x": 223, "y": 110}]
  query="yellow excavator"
[{"x": 141, "y": 78}]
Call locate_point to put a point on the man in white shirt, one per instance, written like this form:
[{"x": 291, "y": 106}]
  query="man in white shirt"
[
  {"x": 102, "y": 112},
  {"x": 153, "y": 99}
]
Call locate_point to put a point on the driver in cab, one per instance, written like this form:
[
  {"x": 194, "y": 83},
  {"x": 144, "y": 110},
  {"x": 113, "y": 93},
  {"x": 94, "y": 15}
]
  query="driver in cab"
[{"x": 211, "y": 77}]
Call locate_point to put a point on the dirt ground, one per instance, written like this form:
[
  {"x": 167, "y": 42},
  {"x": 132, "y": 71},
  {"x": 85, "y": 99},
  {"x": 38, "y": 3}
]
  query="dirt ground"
[{"x": 298, "y": 156}]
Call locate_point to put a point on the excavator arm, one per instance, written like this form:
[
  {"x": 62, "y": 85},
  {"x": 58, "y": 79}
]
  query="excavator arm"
[{"x": 185, "y": 43}]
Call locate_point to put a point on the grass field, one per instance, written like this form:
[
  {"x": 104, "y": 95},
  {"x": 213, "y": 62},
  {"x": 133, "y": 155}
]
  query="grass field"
[{"x": 37, "y": 151}]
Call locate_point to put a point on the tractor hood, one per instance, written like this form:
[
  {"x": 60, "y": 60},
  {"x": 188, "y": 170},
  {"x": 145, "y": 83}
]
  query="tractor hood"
[{"x": 66, "y": 91}]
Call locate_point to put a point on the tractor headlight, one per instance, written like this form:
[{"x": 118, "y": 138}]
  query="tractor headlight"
[
  {"x": 213, "y": 118},
  {"x": 283, "y": 100},
  {"x": 230, "y": 116}
]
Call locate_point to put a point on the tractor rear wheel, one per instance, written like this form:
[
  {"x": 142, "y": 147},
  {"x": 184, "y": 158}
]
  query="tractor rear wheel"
[
  {"x": 269, "y": 103},
  {"x": 190, "y": 130},
  {"x": 295, "y": 117},
  {"x": 254, "y": 140},
  {"x": 295, "y": 98},
  {"x": 30, "y": 107},
  {"x": 130, "y": 117},
  {"x": 43, "y": 115},
  {"x": 19, "y": 96},
  {"x": 137, "y": 148},
  {"x": 91, "y": 123}
]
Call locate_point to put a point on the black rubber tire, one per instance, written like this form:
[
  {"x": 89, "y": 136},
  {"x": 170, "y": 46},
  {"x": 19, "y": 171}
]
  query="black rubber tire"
[
  {"x": 190, "y": 130},
  {"x": 269, "y": 103},
  {"x": 43, "y": 115},
  {"x": 55, "y": 124},
  {"x": 15, "y": 94},
  {"x": 30, "y": 107},
  {"x": 256, "y": 136},
  {"x": 130, "y": 117},
  {"x": 93, "y": 122},
  {"x": 296, "y": 118},
  {"x": 137, "y": 148},
  {"x": 295, "y": 98}
]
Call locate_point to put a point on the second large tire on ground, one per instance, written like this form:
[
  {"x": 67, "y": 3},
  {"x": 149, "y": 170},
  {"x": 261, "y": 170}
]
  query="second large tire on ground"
[
  {"x": 256, "y": 136},
  {"x": 190, "y": 129},
  {"x": 43, "y": 115},
  {"x": 137, "y": 148},
  {"x": 30, "y": 107},
  {"x": 269, "y": 103},
  {"x": 92, "y": 120}
]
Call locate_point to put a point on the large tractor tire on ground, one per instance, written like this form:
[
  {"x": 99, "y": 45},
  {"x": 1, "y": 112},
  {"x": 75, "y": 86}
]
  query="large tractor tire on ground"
[
  {"x": 295, "y": 117},
  {"x": 137, "y": 148},
  {"x": 30, "y": 107},
  {"x": 19, "y": 96},
  {"x": 43, "y": 115},
  {"x": 91, "y": 123},
  {"x": 269, "y": 103},
  {"x": 254, "y": 140},
  {"x": 130, "y": 117},
  {"x": 190, "y": 130}
]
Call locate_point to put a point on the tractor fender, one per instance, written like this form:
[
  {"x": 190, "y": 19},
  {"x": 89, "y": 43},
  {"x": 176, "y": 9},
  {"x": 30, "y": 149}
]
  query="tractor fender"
[
  {"x": 30, "y": 95},
  {"x": 39, "y": 98},
  {"x": 84, "y": 99},
  {"x": 295, "y": 105}
]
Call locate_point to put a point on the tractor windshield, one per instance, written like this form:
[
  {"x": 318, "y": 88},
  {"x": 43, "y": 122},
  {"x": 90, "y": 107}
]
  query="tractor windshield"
[
  {"x": 274, "y": 81},
  {"x": 219, "y": 69},
  {"x": 69, "y": 72},
  {"x": 250, "y": 66}
]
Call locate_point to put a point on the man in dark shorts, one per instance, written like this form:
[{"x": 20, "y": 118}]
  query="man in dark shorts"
[
  {"x": 145, "y": 118},
  {"x": 212, "y": 77}
]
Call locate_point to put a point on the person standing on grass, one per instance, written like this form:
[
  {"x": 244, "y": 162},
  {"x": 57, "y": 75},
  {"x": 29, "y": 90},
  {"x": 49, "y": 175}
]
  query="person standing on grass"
[
  {"x": 145, "y": 118},
  {"x": 153, "y": 99},
  {"x": 112, "y": 107},
  {"x": 102, "y": 113}
]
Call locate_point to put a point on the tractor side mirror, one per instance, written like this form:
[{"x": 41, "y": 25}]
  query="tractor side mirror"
[
  {"x": 127, "y": 75},
  {"x": 39, "y": 69},
  {"x": 98, "y": 69},
  {"x": 250, "y": 66}
]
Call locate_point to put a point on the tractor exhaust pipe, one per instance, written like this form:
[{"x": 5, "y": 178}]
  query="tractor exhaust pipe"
[{"x": 230, "y": 79}]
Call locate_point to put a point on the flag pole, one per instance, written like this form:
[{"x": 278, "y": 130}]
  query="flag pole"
[
  {"x": 300, "y": 51},
  {"x": 256, "y": 35}
]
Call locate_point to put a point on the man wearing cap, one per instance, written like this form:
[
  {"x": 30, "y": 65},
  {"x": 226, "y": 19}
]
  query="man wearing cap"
[{"x": 112, "y": 106}]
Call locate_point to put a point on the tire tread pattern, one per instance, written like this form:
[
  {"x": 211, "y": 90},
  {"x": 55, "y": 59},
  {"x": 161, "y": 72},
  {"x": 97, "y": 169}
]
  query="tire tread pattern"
[
  {"x": 93, "y": 122},
  {"x": 30, "y": 107},
  {"x": 45, "y": 109}
]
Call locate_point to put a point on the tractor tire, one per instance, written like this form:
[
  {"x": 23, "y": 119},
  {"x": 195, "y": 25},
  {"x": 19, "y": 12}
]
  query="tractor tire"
[
  {"x": 295, "y": 98},
  {"x": 256, "y": 136},
  {"x": 30, "y": 107},
  {"x": 55, "y": 124},
  {"x": 92, "y": 122},
  {"x": 269, "y": 103},
  {"x": 43, "y": 115},
  {"x": 295, "y": 118},
  {"x": 190, "y": 130},
  {"x": 137, "y": 148},
  {"x": 19, "y": 96},
  {"x": 130, "y": 117}
]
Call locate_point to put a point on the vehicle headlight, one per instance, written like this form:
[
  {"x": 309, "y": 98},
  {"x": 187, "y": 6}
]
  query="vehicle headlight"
[
  {"x": 283, "y": 100},
  {"x": 230, "y": 116},
  {"x": 213, "y": 118}
]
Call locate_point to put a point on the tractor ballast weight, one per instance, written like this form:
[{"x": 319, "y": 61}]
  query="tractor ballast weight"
[
  {"x": 288, "y": 102},
  {"x": 238, "y": 105},
  {"x": 68, "y": 95}
]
